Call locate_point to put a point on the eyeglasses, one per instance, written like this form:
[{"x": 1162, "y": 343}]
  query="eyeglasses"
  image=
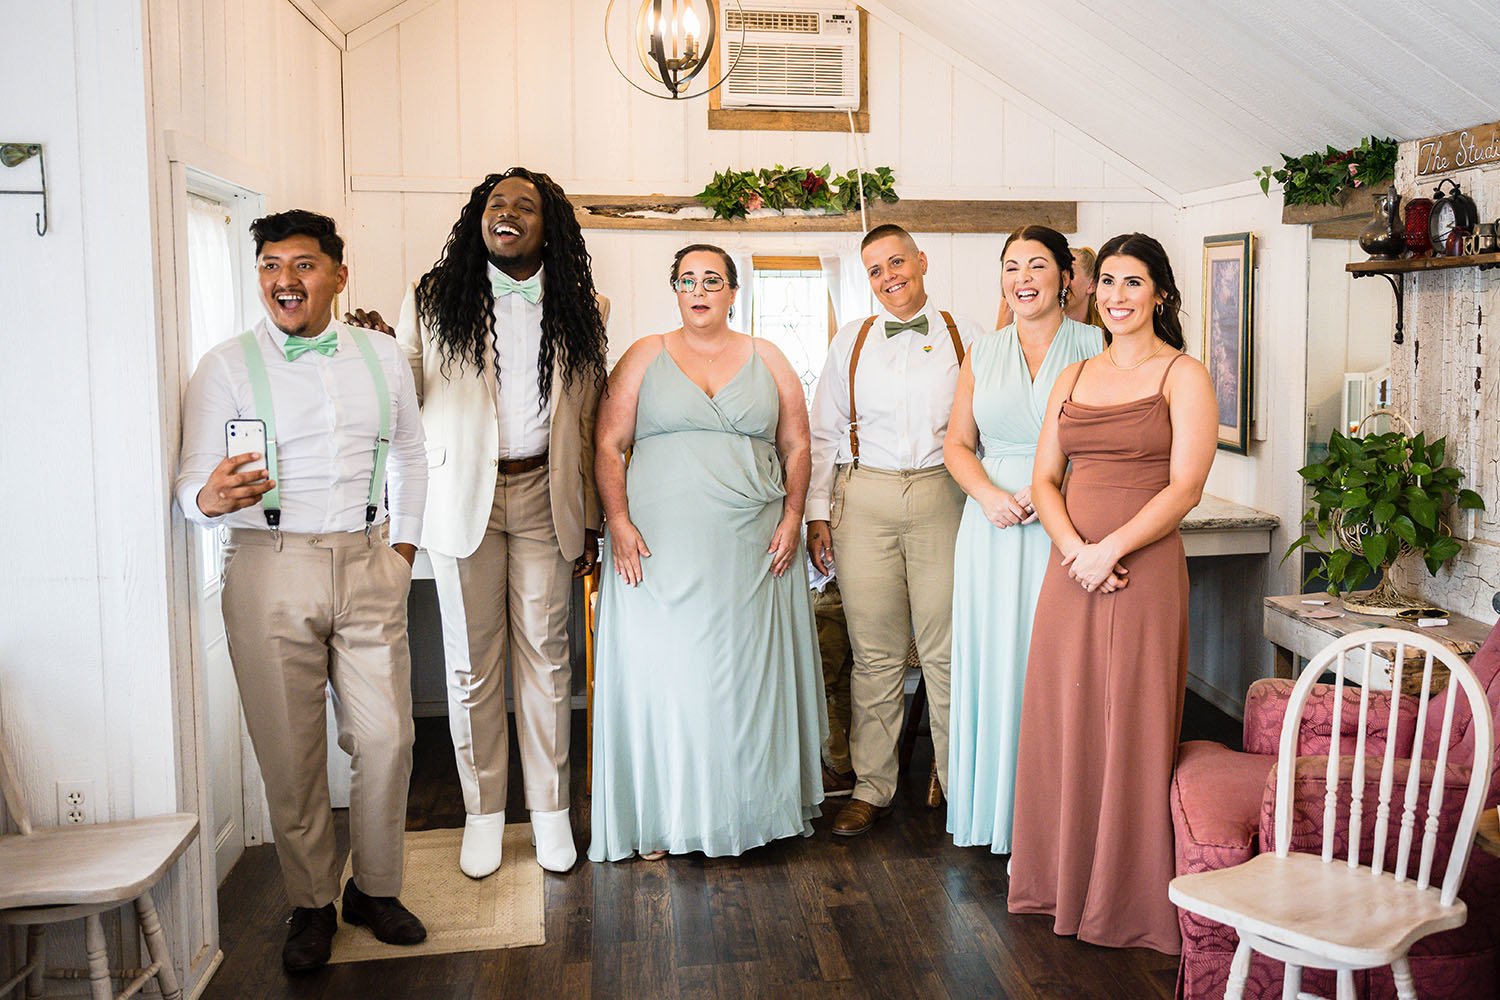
[
  {"x": 711, "y": 283},
  {"x": 1412, "y": 614}
]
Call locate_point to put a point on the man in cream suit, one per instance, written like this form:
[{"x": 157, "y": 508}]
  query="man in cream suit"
[{"x": 506, "y": 341}]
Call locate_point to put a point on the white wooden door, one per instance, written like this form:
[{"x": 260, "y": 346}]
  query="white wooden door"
[{"x": 214, "y": 309}]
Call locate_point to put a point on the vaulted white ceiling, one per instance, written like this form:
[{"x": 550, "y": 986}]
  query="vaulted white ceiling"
[
  {"x": 1199, "y": 93},
  {"x": 351, "y": 14}
]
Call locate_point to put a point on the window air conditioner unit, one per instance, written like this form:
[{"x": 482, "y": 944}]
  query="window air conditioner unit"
[{"x": 800, "y": 56}]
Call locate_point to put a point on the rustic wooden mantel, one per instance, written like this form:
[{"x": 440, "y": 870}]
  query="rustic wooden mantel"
[{"x": 917, "y": 216}]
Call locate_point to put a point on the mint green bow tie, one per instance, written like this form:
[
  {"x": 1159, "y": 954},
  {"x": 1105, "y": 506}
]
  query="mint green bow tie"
[
  {"x": 325, "y": 344},
  {"x": 530, "y": 289},
  {"x": 917, "y": 323}
]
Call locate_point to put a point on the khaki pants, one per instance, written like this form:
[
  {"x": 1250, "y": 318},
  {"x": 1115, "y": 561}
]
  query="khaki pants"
[
  {"x": 893, "y": 538},
  {"x": 314, "y": 612},
  {"x": 838, "y": 661},
  {"x": 508, "y": 601}
]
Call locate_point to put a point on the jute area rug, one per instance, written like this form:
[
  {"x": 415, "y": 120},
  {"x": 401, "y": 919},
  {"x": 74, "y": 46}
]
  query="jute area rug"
[{"x": 461, "y": 914}]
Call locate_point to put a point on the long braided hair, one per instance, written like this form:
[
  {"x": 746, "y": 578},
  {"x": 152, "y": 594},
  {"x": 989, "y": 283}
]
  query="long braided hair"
[{"x": 455, "y": 300}]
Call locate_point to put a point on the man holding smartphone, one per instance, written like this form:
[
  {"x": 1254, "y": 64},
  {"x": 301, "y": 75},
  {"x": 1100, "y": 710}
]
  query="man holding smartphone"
[{"x": 316, "y": 570}]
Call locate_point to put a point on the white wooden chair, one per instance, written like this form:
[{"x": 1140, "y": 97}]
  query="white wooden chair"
[
  {"x": 1347, "y": 914},
  {"x": 78, "y": 872}
]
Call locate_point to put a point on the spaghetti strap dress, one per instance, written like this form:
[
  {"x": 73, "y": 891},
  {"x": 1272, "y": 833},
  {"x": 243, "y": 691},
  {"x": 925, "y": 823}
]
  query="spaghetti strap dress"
[
  {"x": 1102, "y": 707},
  {"x": 997, "y": 573},
  {"x": 709, "y": 717}
]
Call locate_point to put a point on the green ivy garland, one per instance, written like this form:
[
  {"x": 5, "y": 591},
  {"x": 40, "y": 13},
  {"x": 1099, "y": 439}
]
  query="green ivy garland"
[{"x": 732, "y": 194}]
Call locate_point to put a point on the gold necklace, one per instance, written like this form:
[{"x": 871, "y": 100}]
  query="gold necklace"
[
  {"x": 1131, "y": 368},
  {"x": 716, "y": 357}
]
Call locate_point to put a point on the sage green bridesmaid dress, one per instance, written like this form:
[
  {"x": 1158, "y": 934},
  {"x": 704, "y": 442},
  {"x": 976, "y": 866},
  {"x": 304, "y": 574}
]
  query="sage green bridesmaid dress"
[{"x": 708, "y": 692}]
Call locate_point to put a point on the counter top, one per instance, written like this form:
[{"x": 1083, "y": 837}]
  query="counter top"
[
  {"x": 1217, "y": 514},
  {"x": 1217, "y": 527}
]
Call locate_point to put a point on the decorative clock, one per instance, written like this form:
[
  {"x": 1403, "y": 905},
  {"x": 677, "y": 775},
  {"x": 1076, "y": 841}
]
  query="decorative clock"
[{"x": 1453, "y": 217}]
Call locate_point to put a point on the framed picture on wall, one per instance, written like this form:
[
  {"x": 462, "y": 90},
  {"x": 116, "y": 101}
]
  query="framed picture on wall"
[{"x": 1228, "y": 319}]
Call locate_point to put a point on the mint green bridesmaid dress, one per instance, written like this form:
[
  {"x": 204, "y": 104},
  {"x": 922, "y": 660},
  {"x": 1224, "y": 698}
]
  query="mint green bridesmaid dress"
[
  {"x": 997, "y": 574},
  {"x": 708, "y": 691}
]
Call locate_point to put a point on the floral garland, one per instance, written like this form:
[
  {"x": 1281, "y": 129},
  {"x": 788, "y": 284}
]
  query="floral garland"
[
  {"x": 732, "y": 194},
  {"x": 1322, "y": 178}
]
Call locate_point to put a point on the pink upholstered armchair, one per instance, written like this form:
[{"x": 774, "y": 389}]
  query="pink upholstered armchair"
[{"x": 1222, "y": 815}]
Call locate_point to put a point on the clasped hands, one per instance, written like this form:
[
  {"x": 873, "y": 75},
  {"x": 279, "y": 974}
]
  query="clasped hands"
[
  {"x": 1006, "y": 510},
  {"x": 1096, "y": 566}
]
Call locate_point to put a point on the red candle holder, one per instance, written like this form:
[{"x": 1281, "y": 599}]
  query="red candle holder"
[{"x": 1418, "y": 239}]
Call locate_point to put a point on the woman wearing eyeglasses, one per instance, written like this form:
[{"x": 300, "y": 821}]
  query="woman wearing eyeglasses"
[{"x": 708, "y": 696}]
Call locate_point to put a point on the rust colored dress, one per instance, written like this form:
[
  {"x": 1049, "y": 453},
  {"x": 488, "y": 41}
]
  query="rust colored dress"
[{"x": 1102, "y": 706}]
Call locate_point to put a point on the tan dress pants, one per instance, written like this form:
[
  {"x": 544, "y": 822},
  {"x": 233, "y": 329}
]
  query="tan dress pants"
[
  {"x": 893, "y": 537},
  {"x": 508, "y": 601},
  {"x": 323, "y": 611}
]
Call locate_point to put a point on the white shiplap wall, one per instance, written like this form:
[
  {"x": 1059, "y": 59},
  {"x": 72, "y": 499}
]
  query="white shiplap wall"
[
  {"x": 465, "y": 87},
  {"x": 94, "y": 679}
]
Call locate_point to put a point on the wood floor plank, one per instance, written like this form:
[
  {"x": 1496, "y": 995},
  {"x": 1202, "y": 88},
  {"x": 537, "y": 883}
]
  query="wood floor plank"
[{"x": 899, "y": 912}]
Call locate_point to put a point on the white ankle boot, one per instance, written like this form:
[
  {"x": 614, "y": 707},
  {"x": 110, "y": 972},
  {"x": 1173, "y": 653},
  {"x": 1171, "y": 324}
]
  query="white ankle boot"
[
  {"x": 553, "y": 836},
  {"x": 480, "y": 854}
]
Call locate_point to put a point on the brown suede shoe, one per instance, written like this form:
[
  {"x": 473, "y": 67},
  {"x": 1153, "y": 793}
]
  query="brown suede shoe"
[
  {"x": 837, "y": 784},
  {"x": 857, "y": 817}
]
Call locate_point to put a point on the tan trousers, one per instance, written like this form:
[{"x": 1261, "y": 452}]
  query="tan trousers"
[
  {"x": 315, "y": 612},
  {"x": 838, "y": 661},
  {"x": 893, "y": 537},
  {"x": 509, "y": 601}
]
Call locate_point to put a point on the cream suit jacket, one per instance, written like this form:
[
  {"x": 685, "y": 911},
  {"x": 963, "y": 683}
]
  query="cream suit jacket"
[{"x": 463, "y": 443}]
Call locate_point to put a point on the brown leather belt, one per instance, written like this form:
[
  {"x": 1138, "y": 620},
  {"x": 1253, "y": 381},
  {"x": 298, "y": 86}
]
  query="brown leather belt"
[{"x": 516, "y": 466}]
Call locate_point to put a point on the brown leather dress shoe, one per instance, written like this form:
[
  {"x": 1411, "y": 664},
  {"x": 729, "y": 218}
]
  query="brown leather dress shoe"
[
  {"x": 857, "y": 817},
  {"x": 934, "y": 788},
  {"x": 387, "y": 918},
  {"x": 309, "y": 939}
]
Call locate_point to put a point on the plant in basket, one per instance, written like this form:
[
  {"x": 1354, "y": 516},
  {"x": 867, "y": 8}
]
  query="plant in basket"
[{"x": 1379, "y": 498}]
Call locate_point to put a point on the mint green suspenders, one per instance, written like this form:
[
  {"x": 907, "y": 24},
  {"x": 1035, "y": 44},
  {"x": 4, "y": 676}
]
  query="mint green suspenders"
[{"x": 260, "y": 387}]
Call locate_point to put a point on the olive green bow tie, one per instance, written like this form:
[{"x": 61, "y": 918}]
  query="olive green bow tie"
[
  {"x": 325, "y": 344},
  {"x": 917, "y": 323}
]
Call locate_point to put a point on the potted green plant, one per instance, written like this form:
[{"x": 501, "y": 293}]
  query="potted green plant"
[{"x": 1377, "y": 499}]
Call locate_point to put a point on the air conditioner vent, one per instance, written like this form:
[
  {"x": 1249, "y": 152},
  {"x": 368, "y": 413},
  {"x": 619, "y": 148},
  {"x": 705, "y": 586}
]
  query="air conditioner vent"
[
  {"x": 804, "y": 71},
  {"x": 796, "y": 21}
]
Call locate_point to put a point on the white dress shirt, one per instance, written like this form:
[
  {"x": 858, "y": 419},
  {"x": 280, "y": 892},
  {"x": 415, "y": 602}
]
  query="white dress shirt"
[
  {"x": 327, "y": 423},
  {"x": 525, "y": 424},
  {"x": 904, "y": 392}
]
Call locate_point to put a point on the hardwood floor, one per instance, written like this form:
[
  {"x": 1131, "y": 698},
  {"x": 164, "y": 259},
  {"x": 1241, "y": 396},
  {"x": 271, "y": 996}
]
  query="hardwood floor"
[{"x": 899, "y": 912}]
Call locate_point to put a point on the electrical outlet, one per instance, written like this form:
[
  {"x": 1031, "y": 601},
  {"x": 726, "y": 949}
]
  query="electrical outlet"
[{"x": 75, "y": 802}]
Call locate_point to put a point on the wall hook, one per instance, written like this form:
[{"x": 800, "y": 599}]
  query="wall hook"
[{"x": 13, "y": 154}]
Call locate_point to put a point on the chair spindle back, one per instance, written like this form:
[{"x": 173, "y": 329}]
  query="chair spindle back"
[{"x": 1462, "y": 683}]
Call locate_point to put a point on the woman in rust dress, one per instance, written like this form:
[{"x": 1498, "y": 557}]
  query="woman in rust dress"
[{"x": 1108, "y": 665}]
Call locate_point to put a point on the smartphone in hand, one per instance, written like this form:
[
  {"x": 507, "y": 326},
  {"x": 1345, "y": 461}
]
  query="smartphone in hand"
[{"x": 241, "y": 436}]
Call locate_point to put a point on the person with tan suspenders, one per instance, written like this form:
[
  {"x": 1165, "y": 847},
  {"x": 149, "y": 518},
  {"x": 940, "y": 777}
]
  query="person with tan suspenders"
[{"x": 882, "y": 503}]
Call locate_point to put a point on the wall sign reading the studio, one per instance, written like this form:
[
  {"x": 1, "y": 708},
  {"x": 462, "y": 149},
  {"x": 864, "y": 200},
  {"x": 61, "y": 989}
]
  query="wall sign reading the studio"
[{"x": 1470, "y": 147}]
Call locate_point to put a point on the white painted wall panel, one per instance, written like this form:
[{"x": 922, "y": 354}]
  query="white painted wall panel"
[
  {"x": 486, "y": 87},
  {"x": 429, "y": 92},
  {"x": 372, "y": 88}
]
